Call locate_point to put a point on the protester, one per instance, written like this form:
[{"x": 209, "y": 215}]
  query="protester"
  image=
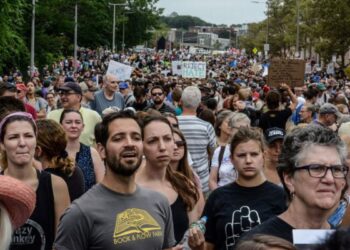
[
  {"x": 328, "y": 115},
  {"x": 158, "y": 98},
  {"x": 200, "y": 136},
  {"x": 313, "y": 172},
  {"x": 126, "y": 91},
  {"x": 222, "y": 171},
  {"x": 265, "y": 242},
  {"x": 108, "y": 96},
  {"x": 86, "y": 158},
  {"x": 117, "y": 212},
  {"x": 18, "y": 145},
  {"x": 181, "y": 191},
  {"x": 236, "y": 208},
  {"x": 38, "y": 103},
  {"x": 55, "y": 160},
  {"x": 88, "y": 94},
  {"x": 71, "y": 95}
]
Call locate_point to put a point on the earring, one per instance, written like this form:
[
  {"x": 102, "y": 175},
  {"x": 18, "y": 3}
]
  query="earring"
[{"x": 292, "y": 194}]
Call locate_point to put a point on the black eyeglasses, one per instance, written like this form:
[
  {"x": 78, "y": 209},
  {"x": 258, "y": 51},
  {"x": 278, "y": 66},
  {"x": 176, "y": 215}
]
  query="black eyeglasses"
[
  {"x": 157, "y": 94},
  {"x": 320, "y": 171},
  {"x": 180, "y": 143}
]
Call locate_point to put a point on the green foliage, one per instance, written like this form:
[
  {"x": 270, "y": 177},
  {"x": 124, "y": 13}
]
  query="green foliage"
[
  {"x": 183, "y": 22},
  {"x": 54, "y": 27}
]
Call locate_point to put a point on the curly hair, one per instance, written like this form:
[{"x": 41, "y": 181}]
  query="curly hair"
[
  {"x": 298, "y": 141},
  {"x": 52, "y": 140}
]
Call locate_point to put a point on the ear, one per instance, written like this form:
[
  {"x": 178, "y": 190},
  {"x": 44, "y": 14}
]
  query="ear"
[
  {"x": 38, "y": 152},
  {"x": 101, "y": 150},
  {"x": 289, "y": 181}
]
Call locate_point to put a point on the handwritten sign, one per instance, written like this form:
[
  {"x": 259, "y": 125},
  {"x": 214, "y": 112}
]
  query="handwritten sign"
[
  {"x": 289, "y": 71},
  {"x": 193, "y": 69},
  {"x": 121, "y": 71},
  {"x": 176, "y": 68}
]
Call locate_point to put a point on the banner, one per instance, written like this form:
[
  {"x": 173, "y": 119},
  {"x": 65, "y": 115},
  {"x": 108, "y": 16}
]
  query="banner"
[
  {"x": 121, "y": 71},
  {"x": 289, "y": 71},
  {"x": 194, "y": 69}
]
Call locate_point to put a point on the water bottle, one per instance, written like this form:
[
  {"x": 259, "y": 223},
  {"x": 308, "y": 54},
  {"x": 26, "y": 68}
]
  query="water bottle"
[{"x": 199, "y": 224}]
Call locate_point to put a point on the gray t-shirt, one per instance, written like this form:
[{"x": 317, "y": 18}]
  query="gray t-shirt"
[
  {"x": 100, "y": 102},
  {"x": 104, "y": 219}
]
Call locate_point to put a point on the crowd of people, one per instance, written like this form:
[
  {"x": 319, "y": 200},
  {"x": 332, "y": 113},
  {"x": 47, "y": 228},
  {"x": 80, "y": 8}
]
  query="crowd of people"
[{"x": 106, "y": 163}]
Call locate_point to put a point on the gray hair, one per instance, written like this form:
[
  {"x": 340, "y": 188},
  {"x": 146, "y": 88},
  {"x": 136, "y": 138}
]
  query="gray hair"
[
  {"x": 191, "y": 97},
  {"x": 297, "y": 143},
  {"x": 220, "y": 118},
  {"x": 238, "y": 117}
]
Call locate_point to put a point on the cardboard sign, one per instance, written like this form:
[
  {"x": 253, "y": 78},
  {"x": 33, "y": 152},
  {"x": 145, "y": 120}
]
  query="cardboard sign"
[
  {"x": 194, "y": 69},
  {"x": 176, "y": 68},
  {"x": 289, "y": 71},
  {"x": 121, "y": 71}
]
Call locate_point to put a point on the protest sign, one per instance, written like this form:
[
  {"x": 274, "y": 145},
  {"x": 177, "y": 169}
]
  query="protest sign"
[
  {"x": 309, "y": 238},
  {"x": 176, "y": 68},
  {"x": 121, "y": 71},
  {"x": 289, "y": 71},
  {"x": 194, "y": 69}
]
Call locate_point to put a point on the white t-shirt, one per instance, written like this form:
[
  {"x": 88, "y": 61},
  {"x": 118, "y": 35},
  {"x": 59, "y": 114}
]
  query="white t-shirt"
[{"x": 227, "y": 172}]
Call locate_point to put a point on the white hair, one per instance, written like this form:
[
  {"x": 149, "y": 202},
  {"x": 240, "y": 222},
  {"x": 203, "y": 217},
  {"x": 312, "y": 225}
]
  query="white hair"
[
  {"x": 191, "y": 97},
  {"x": 5, "y": 228}
]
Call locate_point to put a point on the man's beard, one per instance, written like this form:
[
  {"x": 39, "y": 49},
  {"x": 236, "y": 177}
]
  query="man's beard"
[
  {"x": 157, "y": 101},
  {"x": 126, "y": 170}
]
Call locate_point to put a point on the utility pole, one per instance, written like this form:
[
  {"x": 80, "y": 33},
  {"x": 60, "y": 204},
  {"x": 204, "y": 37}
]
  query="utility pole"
[
  {"x": 76, "y": 37},
  {"x": 32, "y": 44},
  {"x": 297, "y": 42},
  {"x": 113, "y": 38}
]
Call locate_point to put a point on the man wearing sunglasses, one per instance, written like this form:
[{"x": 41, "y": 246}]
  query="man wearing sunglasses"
[
  {"x": 109, "y": 96},
  {"x": 158, "y": 99}
]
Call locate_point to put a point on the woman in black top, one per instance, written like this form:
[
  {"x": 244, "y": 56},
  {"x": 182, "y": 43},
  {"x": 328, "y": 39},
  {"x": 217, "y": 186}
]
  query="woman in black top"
[
  {"x": 18, "y": 144},
  {"x": 236, "y": 208},
  {"x": 51, "y": 152}
]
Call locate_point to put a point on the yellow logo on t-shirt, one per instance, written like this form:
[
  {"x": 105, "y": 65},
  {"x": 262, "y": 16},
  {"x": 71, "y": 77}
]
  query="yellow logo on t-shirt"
[{"x": 135, "y": 224}]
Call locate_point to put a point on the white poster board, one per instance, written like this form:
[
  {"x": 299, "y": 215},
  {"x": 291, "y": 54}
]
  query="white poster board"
[
  {"x": 306, "y": 238},
  {"x": 176, "y": 68},
  {"x": 194, "y": 69},
  {"x": 121, "y": 71}
]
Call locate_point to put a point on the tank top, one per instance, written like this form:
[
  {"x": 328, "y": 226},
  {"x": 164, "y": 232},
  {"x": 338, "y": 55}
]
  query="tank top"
[
  {"x": 180, "y": 218},
  {"x": 75, "y": 182},
  {"x": 84, "y": 162},
  {"x": 38, "y": 232}
]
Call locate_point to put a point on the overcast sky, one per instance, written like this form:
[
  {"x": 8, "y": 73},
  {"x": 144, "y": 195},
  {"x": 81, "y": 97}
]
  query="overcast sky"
[{"x": 217, "y": 11}]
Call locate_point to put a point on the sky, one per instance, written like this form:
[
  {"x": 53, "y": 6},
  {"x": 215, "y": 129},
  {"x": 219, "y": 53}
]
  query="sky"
[{"x": 217, "y": 11}]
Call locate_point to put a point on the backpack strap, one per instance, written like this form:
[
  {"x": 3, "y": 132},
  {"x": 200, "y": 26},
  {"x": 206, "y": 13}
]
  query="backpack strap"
[{"x": 221, "y": 156}]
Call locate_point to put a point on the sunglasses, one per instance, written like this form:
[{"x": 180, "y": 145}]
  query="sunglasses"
[
  {"x": 157, "y": 94},
  {"x": 180, "y": 143}
]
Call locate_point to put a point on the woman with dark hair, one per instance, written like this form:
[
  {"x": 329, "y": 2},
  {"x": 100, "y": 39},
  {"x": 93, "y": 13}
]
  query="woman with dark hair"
[
  {"x": 179, "y": 162},
  {"x": 275, "y": 116},
  {"x": 86, "y": 158},
  {"x": 238, "y": 207},
  {"x": 312, "y": 168},
  {"x": 265, "y": 242},
  {"x": 55, "y": 160},
  {"x": 156, "y": 174},
  {"x": 18, "y": 144}
]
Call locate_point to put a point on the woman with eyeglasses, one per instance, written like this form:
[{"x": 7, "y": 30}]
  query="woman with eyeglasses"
[
  {"x": 157, "y": 174},
  {"x": 179, "y": 162},
  {"x": 313, "y": 172},
  {"x": 222, "y": 171}
]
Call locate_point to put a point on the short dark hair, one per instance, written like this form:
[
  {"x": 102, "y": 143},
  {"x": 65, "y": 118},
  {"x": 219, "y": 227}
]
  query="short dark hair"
[
  {"x": 9, "y": 104},
  {"x": 154, "y": 118},
  {"x": 102, "y": 129},
  {"x": 245, "y": 134},
  {"x": 157, "y": 87},
  {"x": 273, "y": 99}
]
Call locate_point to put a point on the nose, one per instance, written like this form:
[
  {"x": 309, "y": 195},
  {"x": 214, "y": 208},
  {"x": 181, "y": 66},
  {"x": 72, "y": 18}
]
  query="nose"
[
  {"x": 162, "y": 145},
  {"x": 21, "y": 141},
  {"x": 328, "y": 176},
  {"x": 248, "y": 158}
]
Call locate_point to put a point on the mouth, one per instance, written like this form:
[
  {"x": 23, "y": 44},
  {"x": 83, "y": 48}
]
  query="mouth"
[
  {"x": 129, "y": 154},
  {"x": 248, "y": 169},
  {"x": 163, "y": 158}
]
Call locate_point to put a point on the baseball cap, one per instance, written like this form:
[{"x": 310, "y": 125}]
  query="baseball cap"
[
  {"x": 85, "y": 87},
  {"x": 71, "y": 86},
  {"x": 320, "y": 86},
  {"x": 8, "y": 86},
  {"x": 255, "y": 96},
  {"x": 273, "y": 134},
  {"x": 329, "y": 108},
  {"x": 123, "y": 85}
]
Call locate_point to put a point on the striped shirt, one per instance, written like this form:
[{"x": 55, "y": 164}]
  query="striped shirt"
[{"x": 199, "y": 136}]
